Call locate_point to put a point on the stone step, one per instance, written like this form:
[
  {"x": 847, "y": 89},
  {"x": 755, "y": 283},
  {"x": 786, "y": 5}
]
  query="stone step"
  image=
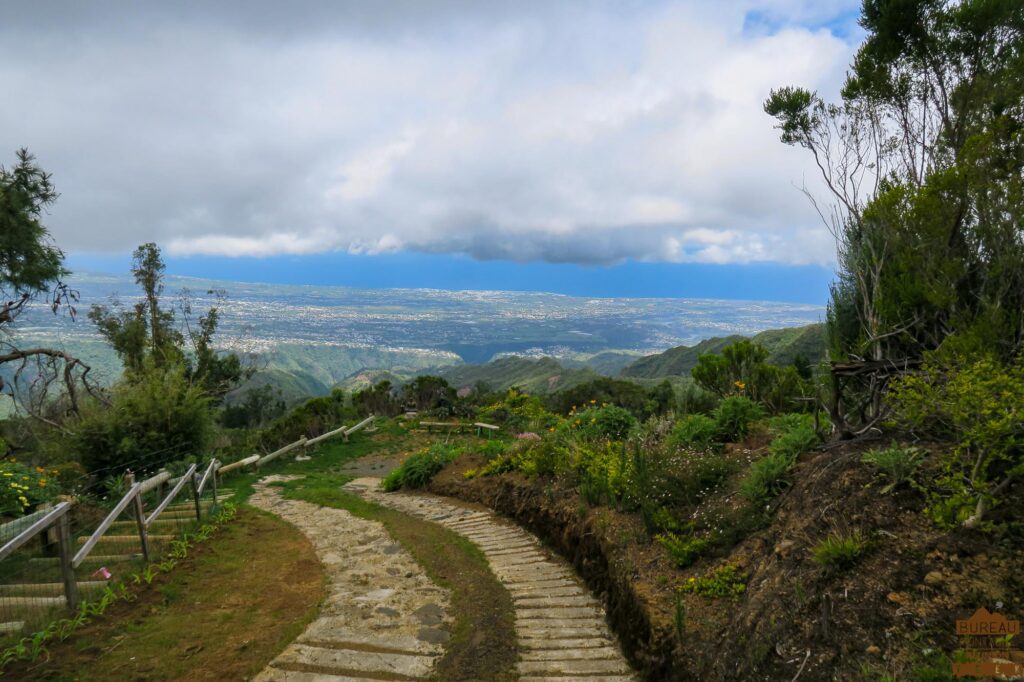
[
  {"x": 126, "y": 539},
  {"x": 46, "y": 589},
  {"x": 574, "y": 667},
  {"x": 532, "y": 643},
  {"x": 589, "y": 654},
  {"x": 550, "y": 603},
  {"x": 32, "y": 602},
  {"x": 352, "y": 661}
]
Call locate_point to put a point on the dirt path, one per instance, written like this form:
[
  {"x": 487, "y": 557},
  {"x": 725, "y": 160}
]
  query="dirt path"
[
  {"x": 383, "y": 619},
  {"x": 560, "y": 628}
]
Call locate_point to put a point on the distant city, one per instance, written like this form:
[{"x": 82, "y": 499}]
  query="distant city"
[{"x": 434, "y": 326}]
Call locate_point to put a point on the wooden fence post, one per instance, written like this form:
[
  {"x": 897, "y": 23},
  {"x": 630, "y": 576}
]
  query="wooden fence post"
[
  {"x": 195, "y": 495},
  {"x": 216, "y": 502},
  {"x": 140, "y": 517},
  {"x": 67, "y": 552}
]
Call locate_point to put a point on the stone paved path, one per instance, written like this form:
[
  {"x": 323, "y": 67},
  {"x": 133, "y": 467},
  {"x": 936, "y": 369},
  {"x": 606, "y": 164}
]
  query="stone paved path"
[
  {"x": 383, "y": 618},
  {"x": 560, "y": 628}
]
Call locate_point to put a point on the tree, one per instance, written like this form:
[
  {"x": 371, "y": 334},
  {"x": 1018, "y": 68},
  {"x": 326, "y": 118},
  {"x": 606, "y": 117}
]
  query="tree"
[
  {"x": 146, "y": 334},
  {"x": 31, "y": 265},
  {"x": 923, "y": 159}
]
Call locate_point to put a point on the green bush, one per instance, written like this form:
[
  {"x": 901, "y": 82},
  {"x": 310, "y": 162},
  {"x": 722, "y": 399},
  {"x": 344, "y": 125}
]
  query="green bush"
[
  {"x": 734, "y": 416},
  {"x": 419, "y": 468},
  {"x": 766, "y": 479},
  {"x": 607, "y": 421},
  {"x": 789, "y": 422},
  {"x": 976, "y": 403},
  {"x": 895, "y": 464},
  {"x": 519, "y": 412},
  {"x": 695, "y": 430},
  {"x": 793, "y": 443},
  {"x": 840, "y": 550},
  {"x": 492, "y": 448},
  {"x": 154, "y": 417},
  {"x": 682, "y": 549},
  {"x": 695, "y": 400}
]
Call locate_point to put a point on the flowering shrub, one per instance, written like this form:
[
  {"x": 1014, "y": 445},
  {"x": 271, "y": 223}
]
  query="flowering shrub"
[
  {"x": 725, "y": 581},
  {"x": 604, "y": 421},
  {"x": 22, "y": 487},
  {"x": 697, "y": 430}
]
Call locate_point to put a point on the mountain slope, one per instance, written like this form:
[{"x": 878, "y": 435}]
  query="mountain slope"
[
  {"x": 541, "y": 376},
  {"x": 783, "y": 346}
]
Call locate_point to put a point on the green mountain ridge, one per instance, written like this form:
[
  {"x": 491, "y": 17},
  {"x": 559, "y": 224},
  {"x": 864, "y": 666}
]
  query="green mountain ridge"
[{"x": 783, "y": 346}]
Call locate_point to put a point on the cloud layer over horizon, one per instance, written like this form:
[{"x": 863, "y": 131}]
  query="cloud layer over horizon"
[{"x": 583, "y": 132}]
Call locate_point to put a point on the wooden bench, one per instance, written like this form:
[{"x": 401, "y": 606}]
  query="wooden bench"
[{"x": 481, "y": 427}]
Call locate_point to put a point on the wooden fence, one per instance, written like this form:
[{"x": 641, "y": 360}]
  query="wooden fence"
[{"x": 32, "y": 587}]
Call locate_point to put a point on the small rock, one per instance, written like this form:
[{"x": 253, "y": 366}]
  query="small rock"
[
  {"x": 873, "y": 650},
  {"x": 933, "y": 578},
  {"x": 784, "y": 548}
]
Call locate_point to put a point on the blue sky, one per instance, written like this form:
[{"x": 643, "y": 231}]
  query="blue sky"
[
  {"x": 603, "y": 147},
  {"x": 755, "y": 281}
]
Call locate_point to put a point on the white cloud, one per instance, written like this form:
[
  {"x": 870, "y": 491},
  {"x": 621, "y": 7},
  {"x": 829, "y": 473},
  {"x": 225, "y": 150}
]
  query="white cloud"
[{"x": 584, "y": 132}]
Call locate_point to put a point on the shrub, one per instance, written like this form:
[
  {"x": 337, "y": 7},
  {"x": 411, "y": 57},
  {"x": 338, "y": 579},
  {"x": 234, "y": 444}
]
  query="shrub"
[
  {"x": 734, "y": 415},
  {"x": 793, "y": 443},
  {"x": 695, "y": 430},
  {"x": 766, "y": 479},
  {"x": 607, "y": 421},
  {"x": 895, "y": 464},
  {"x": 976, "y": 403},
  {"x": 605, "y": 471},
  {"x": 683, "y": 550},
  {"x": 724, "y": 581},
  {"x": 520, "y": 412},
  {"x": 153, "y": 417},
  {"x": 492, "y": 448},
  {"x": 419, "y": 468},
  {"x": 695, "y": 400},
  {"x": 840, "y": 550},
  {"x": 789, "y": 422}
]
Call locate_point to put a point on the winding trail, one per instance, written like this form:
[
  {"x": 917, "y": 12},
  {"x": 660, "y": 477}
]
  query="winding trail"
[
  {"x": 561, "y": 629},
  {"x": 383, "y": 618}
]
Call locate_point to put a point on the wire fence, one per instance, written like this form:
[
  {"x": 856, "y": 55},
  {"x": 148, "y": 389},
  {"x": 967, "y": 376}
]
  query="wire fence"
[
  {"x": 70, "y": 551},
  {"x": 65, "y": 553}
]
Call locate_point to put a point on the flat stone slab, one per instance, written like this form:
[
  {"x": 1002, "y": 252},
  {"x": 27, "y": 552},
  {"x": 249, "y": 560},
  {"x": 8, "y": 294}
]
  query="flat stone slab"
[
  {"x": 383, "y": 618},
  {"x": 560, "y": 627}
]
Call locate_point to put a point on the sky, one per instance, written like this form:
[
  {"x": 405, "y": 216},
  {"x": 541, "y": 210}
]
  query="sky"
[{"x": 600, "y": 148}]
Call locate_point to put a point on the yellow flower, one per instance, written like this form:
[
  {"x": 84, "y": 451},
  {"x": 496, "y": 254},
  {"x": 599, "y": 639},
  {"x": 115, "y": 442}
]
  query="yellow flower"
[
  {"x": 740, "y": 385},
  {"x": 41, "y": 470},
  {"x": 8, "y": 473},
  {"x": 42, "y": 482},
  {"x": 593, "y": 402}
]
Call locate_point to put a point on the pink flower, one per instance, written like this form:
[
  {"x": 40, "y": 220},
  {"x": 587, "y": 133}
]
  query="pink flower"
[
  {"x": 102, "y": 573},
  {"x": 527, "y": 435}
]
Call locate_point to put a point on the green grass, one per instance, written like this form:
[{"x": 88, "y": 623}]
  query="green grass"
[{"x": 840, "y": 550}]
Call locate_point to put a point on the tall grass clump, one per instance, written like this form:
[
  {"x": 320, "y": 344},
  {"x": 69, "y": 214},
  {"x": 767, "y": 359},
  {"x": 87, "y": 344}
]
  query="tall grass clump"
[
  {"x": 895, "y": 464},
  {"x": 419, "y": 468}
]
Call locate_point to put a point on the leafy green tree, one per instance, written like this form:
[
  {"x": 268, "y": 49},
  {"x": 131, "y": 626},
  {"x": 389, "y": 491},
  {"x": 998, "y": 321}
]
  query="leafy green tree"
[
  {"x": 31, "y": 265},
  {"x": 147, "y": 336},
  {"x": 923, "y": 159},
  {"x": 428, "y": 393}
]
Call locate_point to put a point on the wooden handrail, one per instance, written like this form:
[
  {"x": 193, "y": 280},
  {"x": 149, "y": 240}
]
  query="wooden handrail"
[
  {"x": 277, "y": 453},
  {"x": 39, "y": 525},
  {"x": 105, "y": 524},
  {"x": 252, "y": 459},
  {"x": 170, "y": 496},
  {"x": 154, "y": 482},
  {"x": 206, "y": 476}
]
